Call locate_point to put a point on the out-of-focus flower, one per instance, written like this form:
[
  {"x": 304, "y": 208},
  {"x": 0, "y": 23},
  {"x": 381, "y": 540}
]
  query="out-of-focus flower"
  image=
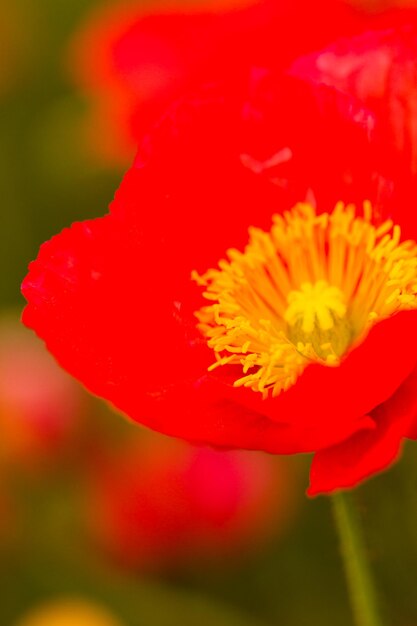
[
  {"x": 69, "y": 612},
  {"x": 144, "y": 59},
  {"x": 311, "y": 328},
  {"x": 155, "y": 502},
  {"x": 39, "y": 403}
]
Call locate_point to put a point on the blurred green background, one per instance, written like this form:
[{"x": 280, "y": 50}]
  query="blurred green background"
[{"x": 295, "y": 578}]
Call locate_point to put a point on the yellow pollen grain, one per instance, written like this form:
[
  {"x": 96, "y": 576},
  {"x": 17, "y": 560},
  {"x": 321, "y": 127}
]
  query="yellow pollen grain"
[{"x": 306, "y": 291}]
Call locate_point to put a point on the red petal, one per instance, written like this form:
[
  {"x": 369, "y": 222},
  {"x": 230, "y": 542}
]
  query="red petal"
[
  {"x": 347, "y": 464},
  {"x": 235, "y": 154},
  {"x": 379, "y": 69},
  {"x": 143, "y": 61}
]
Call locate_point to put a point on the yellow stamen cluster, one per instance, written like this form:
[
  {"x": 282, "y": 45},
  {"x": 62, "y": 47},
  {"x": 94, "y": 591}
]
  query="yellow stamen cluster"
[{"x": 308, "y": 290}]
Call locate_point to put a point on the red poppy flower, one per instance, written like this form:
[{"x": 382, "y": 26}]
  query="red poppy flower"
[
  {"x": 162, "y": 503},
  {"x": 143, "y": 60},
  {"x": 312, "y": 355}
]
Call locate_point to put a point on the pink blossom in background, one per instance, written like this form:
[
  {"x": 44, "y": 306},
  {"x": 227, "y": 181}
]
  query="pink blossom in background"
[
  {"x": 39, "y": 404},
  {"x": 158, "y": 503}
]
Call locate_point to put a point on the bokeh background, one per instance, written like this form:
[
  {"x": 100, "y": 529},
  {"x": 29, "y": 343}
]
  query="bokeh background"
[{"x": 102, "y": 523}]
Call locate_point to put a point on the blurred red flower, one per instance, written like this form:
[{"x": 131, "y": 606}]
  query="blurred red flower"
[
  {"x": 39, "y": 404},
  {"x": 312, "y": 330},
  {"x": 164, "y": 503},
  {"x": 145, "y": 58}
]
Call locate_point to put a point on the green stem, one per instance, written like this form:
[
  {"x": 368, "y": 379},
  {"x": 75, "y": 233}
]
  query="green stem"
[{"x": 360, "y": 583}]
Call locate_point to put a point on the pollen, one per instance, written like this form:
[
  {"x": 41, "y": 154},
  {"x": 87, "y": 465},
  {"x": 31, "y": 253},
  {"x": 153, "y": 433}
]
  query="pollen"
[{"x": 309, "y": 290}]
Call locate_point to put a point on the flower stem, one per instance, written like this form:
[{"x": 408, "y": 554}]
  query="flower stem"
[{"x": 359, "y": 579}]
